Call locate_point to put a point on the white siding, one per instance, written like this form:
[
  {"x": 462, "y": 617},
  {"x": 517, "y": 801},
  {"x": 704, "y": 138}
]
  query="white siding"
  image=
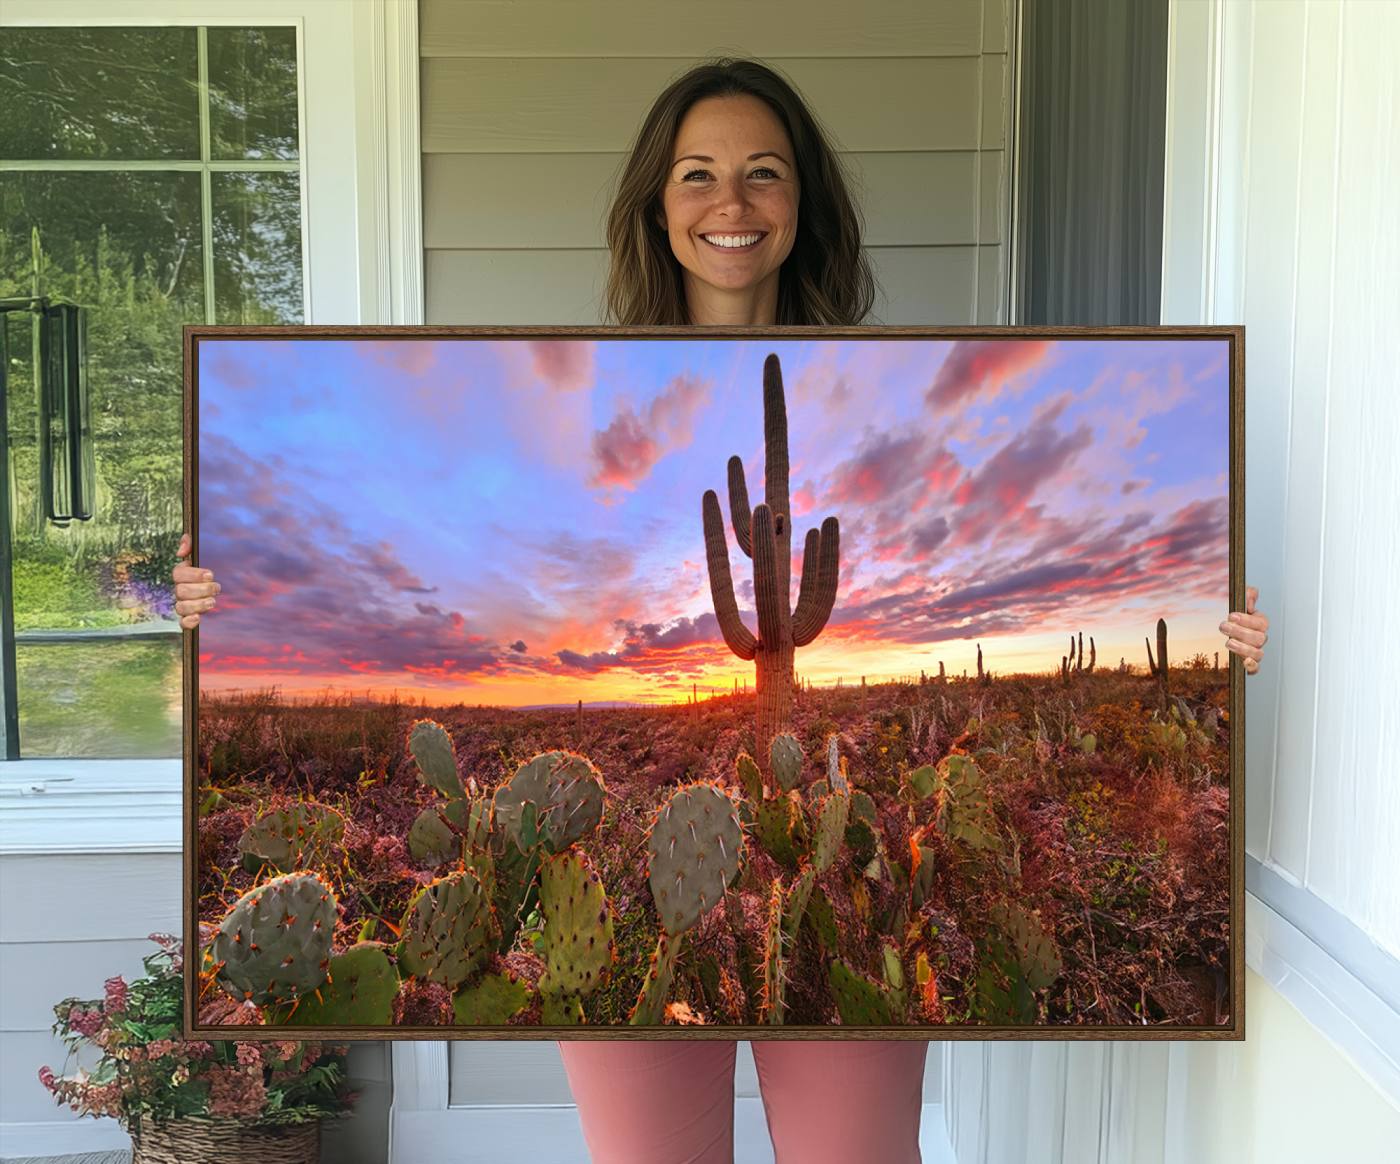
[{"x": 527, "y": 111}]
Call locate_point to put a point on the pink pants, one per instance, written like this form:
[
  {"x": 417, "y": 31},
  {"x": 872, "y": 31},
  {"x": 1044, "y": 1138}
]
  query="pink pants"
[{"x": 832, "y": 1102}]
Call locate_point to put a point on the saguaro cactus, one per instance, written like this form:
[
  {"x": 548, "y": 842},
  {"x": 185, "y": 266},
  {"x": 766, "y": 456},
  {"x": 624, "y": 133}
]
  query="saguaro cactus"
[
  {"x": 765, "y": 535},
  {"x": 1158, "y": 666}
]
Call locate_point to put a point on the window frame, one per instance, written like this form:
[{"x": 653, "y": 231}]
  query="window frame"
[{"x": 360, "y": 180}]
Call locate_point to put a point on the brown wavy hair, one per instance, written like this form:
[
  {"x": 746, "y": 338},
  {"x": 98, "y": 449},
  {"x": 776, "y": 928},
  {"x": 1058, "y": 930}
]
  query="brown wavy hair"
[{"x": 826, "y": 278}]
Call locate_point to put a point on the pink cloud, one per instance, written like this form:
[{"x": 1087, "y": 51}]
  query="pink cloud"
[
  {"x": 976, "y": 368},
  {"x": 625, "y": 452},
  {"x": 881, "y": 468},
  {"x": 565, "y": 364}
]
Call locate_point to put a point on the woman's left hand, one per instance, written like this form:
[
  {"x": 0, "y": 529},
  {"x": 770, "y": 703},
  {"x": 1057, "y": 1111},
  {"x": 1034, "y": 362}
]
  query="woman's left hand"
[{"x": 1246, "y": 633}]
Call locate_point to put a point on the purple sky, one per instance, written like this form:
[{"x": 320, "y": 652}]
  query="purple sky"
[{"x": 518, "y": 521}]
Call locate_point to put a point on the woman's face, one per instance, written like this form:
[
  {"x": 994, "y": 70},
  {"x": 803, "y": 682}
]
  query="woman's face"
[{"x": 732, "y": 177}]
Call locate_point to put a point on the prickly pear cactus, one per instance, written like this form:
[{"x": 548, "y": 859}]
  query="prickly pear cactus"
[
  {"x": 922, "y": 875},
  {"x": 491, "y": 1001},
  {"x": 360, "y": 991},
  {"x": 293, "y": 838},
  {"x": 860, "y": 1002},
  {"x": 1031, "y": 943},
  {"x": 694, "y": 848},
  {"x": 1018, "y": 958},
  {"x": 831, "y": 829},
  {"x": 578, "y": 935},
  {"x": 274, "y": 946},
  {"x": 515, "y": 856},
  {"x": 431, "y": 748},
  {"x": 796, "y": 904},
  {"x": 777, "y": 824},
  {"x": 964, "y": 810},
  {"x": 431, "y": 841},
  {"x": 449, "y": 929},
  {"x": 922, "y": 782},
  {"x": 566, "y": 789},
  {"x": 458, "y": 828},
  {"x": 750, "y": 779},
  {"x": 820, "y": 917},
  {"x": 785, "y": 756}
]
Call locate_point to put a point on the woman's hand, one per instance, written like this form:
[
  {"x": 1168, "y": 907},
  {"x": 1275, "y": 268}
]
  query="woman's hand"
[
  {"x": 194, "y": 588},
  {"x": 1246, "y": 633}
]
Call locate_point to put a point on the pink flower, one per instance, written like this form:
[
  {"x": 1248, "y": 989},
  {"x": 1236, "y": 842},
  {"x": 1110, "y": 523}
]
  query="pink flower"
[
  {"x": 116, "y": 995},
  {"x": 85, "y": 1022},
  {"x": 235, "y": 1092},
  {"x": 46, "y": 1077},
  {"x": 249, "y": 1054},
  {"x": 199, "y": 1049},
  {"x": 159, "y": 1048}
]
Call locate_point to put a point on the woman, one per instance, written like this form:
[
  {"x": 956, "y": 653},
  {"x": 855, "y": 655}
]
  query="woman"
[{"x": 732, "y": 210}]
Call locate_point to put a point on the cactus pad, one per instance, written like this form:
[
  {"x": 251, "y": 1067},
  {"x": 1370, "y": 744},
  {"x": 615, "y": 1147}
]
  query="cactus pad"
[
  {"x": 578, "y": 926},
  {"x": 821, "y": 919},
  {"x": 860, "y": 1002},
  {"x": 293, "y": 838},
  {"x": 785, "y": 756},
  {"x": 431, "y": 748},
  {"x": 694, "y": 848},
  {"x": 490, "y": 1002},
  {"x": 274, "y": 946},
  {"x": 568, "y": 791},
  {"x": 776, "y": 824},
  {"x": 431, "y": 840},
  {"x": 835, "y": 765},
  {"x": 773, "y": 1005},
  {"x": 831, "y": 829},
  {"x": 360, "y": 992},
  {"x": 797, "y": 902},
  {"x": 1033, "y": 947},
  {"x": 449, "y": 929},
  {"x": 750, "y": 779},
  {"x": 651, "y": 1001},
  {"x": 965, "y": 811}
]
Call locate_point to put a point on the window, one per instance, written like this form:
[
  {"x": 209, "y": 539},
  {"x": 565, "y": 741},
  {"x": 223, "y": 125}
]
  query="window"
[{"x": 152, "y": 175}]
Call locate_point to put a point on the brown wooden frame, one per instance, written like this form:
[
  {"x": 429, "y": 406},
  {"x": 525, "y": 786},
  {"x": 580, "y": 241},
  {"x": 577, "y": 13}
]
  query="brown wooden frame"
[{"x": 1233, "y": 1031}]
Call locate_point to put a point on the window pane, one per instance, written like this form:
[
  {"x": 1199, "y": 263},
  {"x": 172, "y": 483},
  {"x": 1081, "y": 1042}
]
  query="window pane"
[
  {"x": 107, "y": 700},
  {"x": 257, "y": 248},
  {"x": 130, "y": 93},
  {"x": 127, "y": 246},
  {"x": 253, "y": 93}
]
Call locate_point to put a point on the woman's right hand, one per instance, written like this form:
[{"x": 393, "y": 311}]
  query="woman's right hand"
[{"x": 195, "y": 588}]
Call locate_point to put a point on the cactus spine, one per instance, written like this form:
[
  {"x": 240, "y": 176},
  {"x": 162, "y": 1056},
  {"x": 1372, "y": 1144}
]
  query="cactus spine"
[{"x": 765, "y": 535}]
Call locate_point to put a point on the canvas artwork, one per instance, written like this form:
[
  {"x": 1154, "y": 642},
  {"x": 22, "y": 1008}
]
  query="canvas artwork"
[{"x": 828, "y": 683}]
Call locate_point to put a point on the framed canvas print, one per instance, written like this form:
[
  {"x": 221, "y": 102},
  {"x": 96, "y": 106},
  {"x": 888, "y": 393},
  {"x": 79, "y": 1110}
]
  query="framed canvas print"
[{"x": 698, "y": 683}]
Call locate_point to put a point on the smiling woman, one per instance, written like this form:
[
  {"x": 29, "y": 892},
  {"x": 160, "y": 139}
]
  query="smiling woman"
[
  {"x": 729, "y": 151},
  {"x": 731, "y": 223}
]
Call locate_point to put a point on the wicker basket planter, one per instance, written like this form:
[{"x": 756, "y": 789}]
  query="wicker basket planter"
[{"x": 206, "y": 1140}]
